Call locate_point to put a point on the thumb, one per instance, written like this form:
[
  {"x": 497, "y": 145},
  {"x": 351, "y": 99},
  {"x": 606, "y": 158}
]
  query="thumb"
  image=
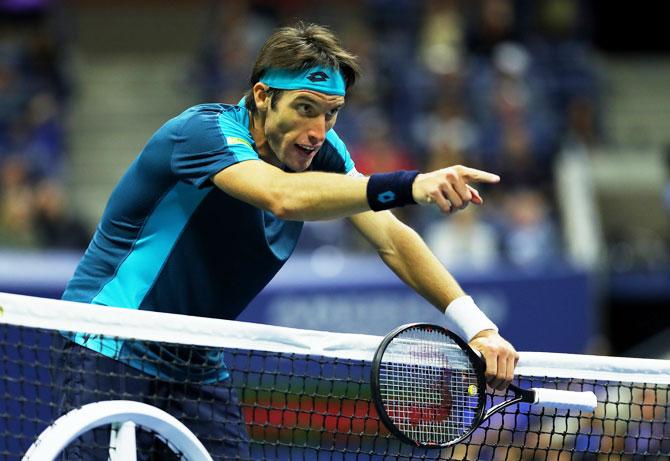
[{"x": 476, "y": 198}]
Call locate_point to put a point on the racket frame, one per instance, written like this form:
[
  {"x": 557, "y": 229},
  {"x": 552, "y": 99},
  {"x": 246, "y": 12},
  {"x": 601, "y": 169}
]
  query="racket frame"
[{"x": 476, "y": 361}]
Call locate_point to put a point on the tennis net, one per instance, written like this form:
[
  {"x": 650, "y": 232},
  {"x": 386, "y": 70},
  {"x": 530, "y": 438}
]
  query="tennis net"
[{"x": 287, "y": 394}]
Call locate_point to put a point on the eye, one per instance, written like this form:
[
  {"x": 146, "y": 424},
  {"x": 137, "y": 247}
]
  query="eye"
[
  {"x": 305, "y": 109},
  {"x": 331, "y": 114}
]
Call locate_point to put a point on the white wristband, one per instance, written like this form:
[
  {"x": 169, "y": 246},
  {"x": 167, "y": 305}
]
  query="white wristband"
[{"x": 465, "y": 319}]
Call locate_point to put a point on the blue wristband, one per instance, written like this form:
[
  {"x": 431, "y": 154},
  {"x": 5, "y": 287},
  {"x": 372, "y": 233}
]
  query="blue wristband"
[{"x": 391, "y": 190}]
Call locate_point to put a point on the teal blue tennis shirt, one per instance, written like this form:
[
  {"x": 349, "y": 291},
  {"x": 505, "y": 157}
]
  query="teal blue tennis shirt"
[{"x": 171, "y": 241}]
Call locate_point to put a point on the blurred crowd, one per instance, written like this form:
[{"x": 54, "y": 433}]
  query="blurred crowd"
[
  {"x": 34, "y": 95},
  {"x": 500, "y": 85}
]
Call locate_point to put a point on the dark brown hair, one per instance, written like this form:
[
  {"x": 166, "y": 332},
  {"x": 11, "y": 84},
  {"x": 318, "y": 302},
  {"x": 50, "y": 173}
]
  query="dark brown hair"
[{"x": 300, "y": 47}]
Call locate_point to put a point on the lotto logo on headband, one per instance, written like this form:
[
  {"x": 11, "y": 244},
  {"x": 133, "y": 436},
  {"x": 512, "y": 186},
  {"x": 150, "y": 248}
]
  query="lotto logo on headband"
[
  {"x": 318, "y": 77},
  {"x": 327, "y": 80}
]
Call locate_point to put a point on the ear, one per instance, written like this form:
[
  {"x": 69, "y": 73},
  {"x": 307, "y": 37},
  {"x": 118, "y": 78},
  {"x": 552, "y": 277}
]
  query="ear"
[{"x": 261, "y": 97}]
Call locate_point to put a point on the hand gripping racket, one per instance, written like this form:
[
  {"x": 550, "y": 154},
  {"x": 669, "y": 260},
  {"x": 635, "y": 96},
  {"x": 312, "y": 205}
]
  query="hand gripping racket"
[{"x": 429, "y": 387}]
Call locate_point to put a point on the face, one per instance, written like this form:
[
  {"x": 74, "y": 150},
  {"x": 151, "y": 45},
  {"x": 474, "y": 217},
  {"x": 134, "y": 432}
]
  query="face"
[{"x": 296, "y": 127}]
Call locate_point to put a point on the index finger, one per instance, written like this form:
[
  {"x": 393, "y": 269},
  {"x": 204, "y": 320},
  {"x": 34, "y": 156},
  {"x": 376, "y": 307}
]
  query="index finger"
[
  {"x": 490, "y": 367},
  {"x": 476, "y": 175}
]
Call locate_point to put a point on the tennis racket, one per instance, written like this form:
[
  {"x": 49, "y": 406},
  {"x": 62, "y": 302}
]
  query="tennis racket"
[{"x": 429, "y": 387}]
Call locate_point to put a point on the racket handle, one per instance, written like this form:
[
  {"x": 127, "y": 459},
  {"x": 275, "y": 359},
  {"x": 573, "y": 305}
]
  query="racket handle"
[{"x": 566, "y": 400}]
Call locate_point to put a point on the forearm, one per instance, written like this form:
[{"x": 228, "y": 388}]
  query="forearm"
[
  {"x": 409, "y": 257},
  {"x": 414, "y": 263}
]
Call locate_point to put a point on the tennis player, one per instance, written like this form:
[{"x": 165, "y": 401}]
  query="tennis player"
[{"x": 212, "y": 208}]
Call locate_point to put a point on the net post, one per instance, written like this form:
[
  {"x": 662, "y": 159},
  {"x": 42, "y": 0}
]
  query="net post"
[
  {"x": 122, "y": 442},
  {"x": 55, "y": 438}
]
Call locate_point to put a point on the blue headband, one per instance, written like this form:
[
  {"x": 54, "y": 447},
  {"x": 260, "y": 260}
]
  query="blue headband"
[{"x": 325, "y": 80}]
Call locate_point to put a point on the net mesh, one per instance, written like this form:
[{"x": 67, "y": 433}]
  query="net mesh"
[{"x": 290, "y": 394}]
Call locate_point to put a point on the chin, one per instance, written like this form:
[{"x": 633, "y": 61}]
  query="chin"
[
  {"x": 295, "y": 162},
  {"x": 298, "y": 167}
]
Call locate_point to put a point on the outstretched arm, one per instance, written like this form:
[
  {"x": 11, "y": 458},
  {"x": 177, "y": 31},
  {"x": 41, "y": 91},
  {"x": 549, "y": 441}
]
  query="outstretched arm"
[
  {"x": 308, "y": 196},
  {"x": 312, "y": 196},
  {"x": 403, "y": 250}
]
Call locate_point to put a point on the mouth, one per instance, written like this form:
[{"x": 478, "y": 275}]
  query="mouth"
[{"x": 306, "y": 149}]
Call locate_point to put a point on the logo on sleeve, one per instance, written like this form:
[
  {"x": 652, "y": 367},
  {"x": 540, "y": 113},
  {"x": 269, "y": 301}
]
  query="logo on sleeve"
[
  {"x": 317, "y": 77},
  {"x": 233, "y": 141}
]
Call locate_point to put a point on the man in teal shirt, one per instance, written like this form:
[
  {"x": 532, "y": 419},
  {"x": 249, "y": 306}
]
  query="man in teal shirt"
[{"x": 212, "y": 208}]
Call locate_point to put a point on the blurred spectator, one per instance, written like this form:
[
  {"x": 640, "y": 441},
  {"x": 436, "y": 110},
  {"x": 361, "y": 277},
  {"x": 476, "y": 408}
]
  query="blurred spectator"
[
  {"x": 235, "y": 33},
  {"x": 55, "y": 227},
  {"x": 529, "y": 236},
  {"x": 16, "y": 204},
  {"x": 39, "y": 133},
  {"x": 464, "y": 241},
  {"x": 491, "y": 22},
  {"x": 581, "y": 124},
  {"x": 34, "y": 90},
  {"x": 442, "y": 37},
  {"x": 377, "y": 151},
  {"x": 43, "y": 64},
  {"x": 13, "y": 91},
  {"x": 446, "y": 133},
  {"x": 35, "y": 215},
  {"x": 516, "y": 138},
  {"x": 364, "y": 101},
  {"x": 564, "y": 60},
  {"x": 400, "y": 78}
]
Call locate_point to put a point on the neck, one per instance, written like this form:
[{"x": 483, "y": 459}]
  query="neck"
[{"x": 256, "y": 123}]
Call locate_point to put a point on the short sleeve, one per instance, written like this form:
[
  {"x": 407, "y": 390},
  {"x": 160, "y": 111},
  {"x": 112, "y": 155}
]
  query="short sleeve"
[{"x": 209, "y": 141}]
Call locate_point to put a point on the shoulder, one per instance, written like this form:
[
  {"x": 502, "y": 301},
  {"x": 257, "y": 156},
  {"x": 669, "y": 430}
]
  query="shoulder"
[
  {"x": 223, "y": 115},
  {"x": 210, "y": 138},
  {"x": 220, "y": 124},
  {"x": 333, "y": 155},
  {"x": 234, "y": 125}
]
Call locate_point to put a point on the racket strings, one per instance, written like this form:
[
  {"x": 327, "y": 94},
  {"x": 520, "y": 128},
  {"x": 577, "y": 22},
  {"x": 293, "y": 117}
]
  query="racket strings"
[{"x": 429, "y": 386}]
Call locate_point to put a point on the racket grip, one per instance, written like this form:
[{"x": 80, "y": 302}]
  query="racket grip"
[{"x": 566, "y": 400}]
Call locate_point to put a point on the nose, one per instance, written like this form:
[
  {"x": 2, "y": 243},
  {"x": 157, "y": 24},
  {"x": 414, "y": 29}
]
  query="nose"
[{"x": 317, "y": 130}]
